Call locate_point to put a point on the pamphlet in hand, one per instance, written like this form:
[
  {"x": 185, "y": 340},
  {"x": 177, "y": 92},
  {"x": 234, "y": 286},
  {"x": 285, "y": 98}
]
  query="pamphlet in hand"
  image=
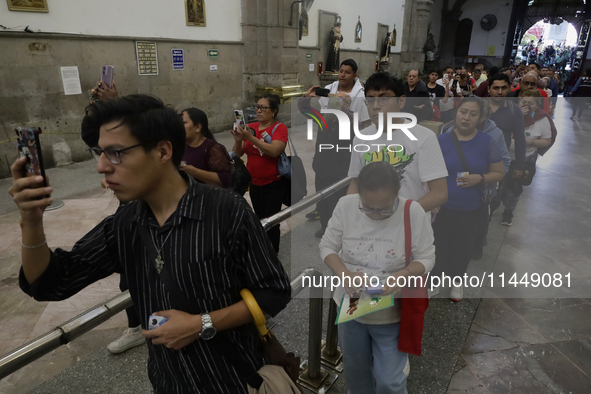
[{"x": 354, "y": 308}]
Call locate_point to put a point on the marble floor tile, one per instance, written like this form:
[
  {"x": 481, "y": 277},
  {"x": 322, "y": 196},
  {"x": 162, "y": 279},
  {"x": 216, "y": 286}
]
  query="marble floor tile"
[
  {"x": 496, "y": 320},
  {"x": 559, "y": 319},
  {"x": 578, "y": 352},
  {"x": 464, "y": 381},
  {"x": 532, "y": 369}
]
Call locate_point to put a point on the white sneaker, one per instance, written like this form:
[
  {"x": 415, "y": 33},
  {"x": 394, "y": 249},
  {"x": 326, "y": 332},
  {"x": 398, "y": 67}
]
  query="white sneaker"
[
  {"x": 457, "y": 293},
  {"x": 131, "y": 337},
  {"x": 406, "y": 369},
  {"x": 434, "y": 292}
]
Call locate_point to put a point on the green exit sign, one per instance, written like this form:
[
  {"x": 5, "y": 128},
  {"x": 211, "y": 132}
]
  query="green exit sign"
[
  {"x": 308, "y": 56},
  {"x": 212, "y": 53}
]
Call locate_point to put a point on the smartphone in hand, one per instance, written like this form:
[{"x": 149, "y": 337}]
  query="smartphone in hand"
[
  {"x": 107, "y": 77},
  {"x": 239, "y": 116},
  {"x": 322, "y": 92},
  {"x": 29, "y": 146}
]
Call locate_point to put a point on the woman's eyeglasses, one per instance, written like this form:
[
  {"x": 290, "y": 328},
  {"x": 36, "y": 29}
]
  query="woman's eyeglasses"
[
  {"x": 381, "y": 212},
  {"x": 261, "y": 108},
  {"x": 113, "y": 155}
]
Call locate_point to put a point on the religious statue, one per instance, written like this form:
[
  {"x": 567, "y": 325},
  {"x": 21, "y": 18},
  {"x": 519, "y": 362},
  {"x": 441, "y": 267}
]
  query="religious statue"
[
  {"x": 358, "y": 30},
  {"x": 430, "y": 48},
  {"x": 385, "y": 50},
  {"x": 335, "y": 38},
  {"x": 389, "y": 42}
]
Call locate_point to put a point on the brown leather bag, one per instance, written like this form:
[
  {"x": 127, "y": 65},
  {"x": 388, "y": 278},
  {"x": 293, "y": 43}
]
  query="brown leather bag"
[{"x": 274, "y": 351}]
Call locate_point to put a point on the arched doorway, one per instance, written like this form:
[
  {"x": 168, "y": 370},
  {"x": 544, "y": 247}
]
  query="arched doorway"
[
  {"x": 463, "y": 37},
  {"x": 548, "y": 44}
]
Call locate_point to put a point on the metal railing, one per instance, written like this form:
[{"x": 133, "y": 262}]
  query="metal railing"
[{"x": 313, "y": 376}]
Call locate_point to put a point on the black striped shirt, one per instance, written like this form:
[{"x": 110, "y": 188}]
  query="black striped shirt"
[{"x": 216, "y": 248}]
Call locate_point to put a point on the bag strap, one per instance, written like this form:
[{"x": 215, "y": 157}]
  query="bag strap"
[
  {"x": 407, "y": 232},
  {"x": 289, "y": 141},
  {"x": 459, "y": 151}
]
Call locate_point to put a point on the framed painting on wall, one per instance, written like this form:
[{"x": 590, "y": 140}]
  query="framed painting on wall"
[
  {"x": 195, "y": 12},
  {"x": 28, "y": 5}
]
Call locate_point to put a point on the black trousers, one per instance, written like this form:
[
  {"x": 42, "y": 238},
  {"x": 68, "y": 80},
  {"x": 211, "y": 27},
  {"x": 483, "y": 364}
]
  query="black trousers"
[
  {"x": 267, "y": 201},
  {"x": 326, "y": 207},
  {"x": 133, "y": 319},
  {"x": 455, "y": 232}
]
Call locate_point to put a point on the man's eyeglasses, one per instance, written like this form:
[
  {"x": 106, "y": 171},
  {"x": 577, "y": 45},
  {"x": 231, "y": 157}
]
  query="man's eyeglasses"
[
  {"x": 113, "y": 155},
  {"x": 261, "y": 108},
  {"x": 381, "y": 212},
  {"x": 380, "y": 100},
  {"x": 523, "y": 83}
]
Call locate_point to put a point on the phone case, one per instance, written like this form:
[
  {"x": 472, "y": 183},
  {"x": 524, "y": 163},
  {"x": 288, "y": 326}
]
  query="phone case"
[
  {"x": 239, "y": 115},
  {"x": 28, "y": 145},
  {"x": 107, "y": 77}
]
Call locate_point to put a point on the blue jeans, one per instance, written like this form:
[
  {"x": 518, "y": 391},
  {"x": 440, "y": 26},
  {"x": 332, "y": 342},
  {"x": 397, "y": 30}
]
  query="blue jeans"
[{"x": 366, "y": 344}]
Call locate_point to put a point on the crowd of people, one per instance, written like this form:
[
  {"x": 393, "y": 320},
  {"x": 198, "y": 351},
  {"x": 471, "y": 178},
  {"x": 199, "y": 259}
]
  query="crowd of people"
[{"x": 186, "y": 246}]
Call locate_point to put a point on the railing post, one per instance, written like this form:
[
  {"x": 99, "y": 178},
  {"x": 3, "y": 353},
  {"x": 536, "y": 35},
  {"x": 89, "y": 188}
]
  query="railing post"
[
  {"x": 314, "y": 376},
  {"x": 331, "y": 354}
]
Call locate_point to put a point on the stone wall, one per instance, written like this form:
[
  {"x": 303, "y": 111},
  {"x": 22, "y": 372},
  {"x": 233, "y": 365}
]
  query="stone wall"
[{"x": 31, "y": 90}]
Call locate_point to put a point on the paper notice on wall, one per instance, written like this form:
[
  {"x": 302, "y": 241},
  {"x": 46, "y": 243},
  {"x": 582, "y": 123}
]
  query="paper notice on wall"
[
  {"x": 71, "y": 80},
  {"x": 492, "y": 50},
  {"x": 311, "y": 67}
]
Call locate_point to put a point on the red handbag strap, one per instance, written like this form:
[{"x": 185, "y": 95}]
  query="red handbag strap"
[{"x": 407, "y": 232}]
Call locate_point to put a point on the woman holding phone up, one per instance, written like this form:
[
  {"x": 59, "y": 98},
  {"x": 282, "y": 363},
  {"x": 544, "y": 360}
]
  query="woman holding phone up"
[{"x": 268, "y": 186}]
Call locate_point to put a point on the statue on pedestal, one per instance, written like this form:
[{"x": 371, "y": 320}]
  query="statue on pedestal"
[
  {"x": 335, "y": 38},
  {"x": 389, "y": 41}
]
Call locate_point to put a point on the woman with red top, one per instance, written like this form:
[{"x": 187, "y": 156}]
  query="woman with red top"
[
  {"x": 205, "y": 159},
  {"x": 268, "y": 187}
]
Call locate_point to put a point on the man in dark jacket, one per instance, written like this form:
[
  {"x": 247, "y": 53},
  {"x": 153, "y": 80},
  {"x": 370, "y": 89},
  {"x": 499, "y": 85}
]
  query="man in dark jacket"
[{"x": 419, "y": 93}]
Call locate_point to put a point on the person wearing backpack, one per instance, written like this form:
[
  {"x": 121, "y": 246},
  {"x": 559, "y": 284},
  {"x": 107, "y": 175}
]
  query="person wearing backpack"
[
  {"x": 540, "y": 134},
  {"x": 268, "y": 186},
  {"x": 473, "y": 161}
]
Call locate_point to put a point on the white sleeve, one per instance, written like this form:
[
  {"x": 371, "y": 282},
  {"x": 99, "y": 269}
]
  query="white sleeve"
[
  {"x": 546, "y": 128},
  {"x": 356, "y": 163},
  {"x": 423, "y": 249},
  {"x": 431, "y": 162},
  {"x": 332, "y": 240},
  {"x": 364, "y": 115}
]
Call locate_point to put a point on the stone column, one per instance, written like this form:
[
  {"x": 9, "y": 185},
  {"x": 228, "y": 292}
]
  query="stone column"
[
  {"x": 414, "y": 35},
  {"x": 270, "y": 45}
]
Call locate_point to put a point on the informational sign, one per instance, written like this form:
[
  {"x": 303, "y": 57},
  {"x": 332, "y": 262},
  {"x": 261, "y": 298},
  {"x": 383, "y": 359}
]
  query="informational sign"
[
  {"x": 308, "y": 56},
  {"x": 178, "y": 59},
  {"x": 492, "y": 50},
  {"x": 311, "y": 67},
  {"x": 213, "y": 68},
  {"x": 147, "y": 58},
  {"x": 212, "y": 53},
  {"x": 71, "y": 80}
]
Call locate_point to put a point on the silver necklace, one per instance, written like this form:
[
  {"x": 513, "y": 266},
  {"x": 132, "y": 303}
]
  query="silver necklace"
[{"x": 159, "y": 261}]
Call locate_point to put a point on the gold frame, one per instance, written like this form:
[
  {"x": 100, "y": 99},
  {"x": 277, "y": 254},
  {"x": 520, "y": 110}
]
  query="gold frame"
[
  {"x": 12, "y": 7},
  {"x": 189, "y": 23}
]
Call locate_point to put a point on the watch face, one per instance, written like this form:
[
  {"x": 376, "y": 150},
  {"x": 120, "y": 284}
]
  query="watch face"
[{"x": 208, "y": 333}]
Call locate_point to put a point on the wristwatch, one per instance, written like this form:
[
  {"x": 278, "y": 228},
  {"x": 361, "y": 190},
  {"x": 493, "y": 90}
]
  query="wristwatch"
[{"x": 208, "y": 331}]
